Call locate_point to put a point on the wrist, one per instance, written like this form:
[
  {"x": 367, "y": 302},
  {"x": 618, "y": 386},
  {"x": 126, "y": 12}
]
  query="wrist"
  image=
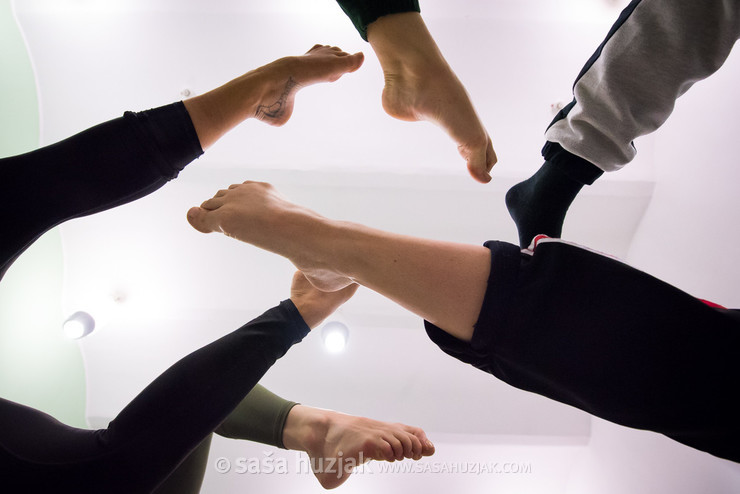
[{"x": 306, "y": 309}]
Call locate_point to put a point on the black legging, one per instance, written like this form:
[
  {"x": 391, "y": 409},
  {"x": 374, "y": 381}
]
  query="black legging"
[
  {"x": 100, "y": 168},
  {"x": 157, "y": 430}
]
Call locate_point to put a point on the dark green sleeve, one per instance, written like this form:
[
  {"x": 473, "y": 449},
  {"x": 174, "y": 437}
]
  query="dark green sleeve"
[
  {"x": 260, "y": 417},
  {"x": 363, "y": 12}
]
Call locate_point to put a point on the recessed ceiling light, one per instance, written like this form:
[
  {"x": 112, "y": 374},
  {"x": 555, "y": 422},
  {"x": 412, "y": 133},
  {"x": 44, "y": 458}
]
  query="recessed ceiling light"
[
  {"x": 78, "y": 325},
  {"x": 335, "y": 335}
]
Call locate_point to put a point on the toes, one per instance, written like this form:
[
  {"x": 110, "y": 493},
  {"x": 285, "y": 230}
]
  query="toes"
[
  {"x": 397, "y": 447},
  {"x": 407, "y": 444},
  {"x": 422, "y": 446},
  {"x": 198, "y": 219},
  {"x": 428, "y": 448},
  {"x": 213, "y": 203},
  {"x": 379, "y": 450},
  {"x": 491, "y": 158},
  {"x": 390, "y": 448},
  {"x": 479, "y": 171},
  {"x": 480, "y": 159},
  {"x": 415, "y": 449},
  {"x": 252, "y": 183},
  {"x": 355, "y": 61}
]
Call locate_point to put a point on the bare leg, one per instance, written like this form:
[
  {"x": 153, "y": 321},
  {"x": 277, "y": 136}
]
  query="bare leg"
[
  {"x": 266, "y": 93},
  {"x": 420, "y": 85},
  {"x": 337, "y": 442},
  {"x": 442, "y": 282}
]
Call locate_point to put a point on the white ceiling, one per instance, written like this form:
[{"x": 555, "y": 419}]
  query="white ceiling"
[{"x": 340, "y": 155}]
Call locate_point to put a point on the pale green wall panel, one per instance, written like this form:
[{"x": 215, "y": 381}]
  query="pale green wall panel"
[
  {"x": 19, "y": 116},
  {"x": 38, "y": 366}
]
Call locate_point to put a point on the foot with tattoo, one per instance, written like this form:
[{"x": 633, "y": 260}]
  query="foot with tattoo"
[
  {"x": 284, "y": 77},
  {"x": 268, "y": 92}
]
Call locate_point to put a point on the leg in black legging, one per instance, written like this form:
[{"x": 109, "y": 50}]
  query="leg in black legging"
[
  {"x": 259, "y": 417},
  {"x": 150, "y": 437},
  {"x": 106, "y": 166},
  {"x": 127, "y": 158},
  {"x": 103, "y": 167},
  {"x": 189, "y": 475}
]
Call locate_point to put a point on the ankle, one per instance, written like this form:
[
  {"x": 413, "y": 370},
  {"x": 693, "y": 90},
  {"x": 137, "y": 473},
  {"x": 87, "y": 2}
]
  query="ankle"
[
  {"x": 323, "y": 247},
  {"x": 575, "y": 167},
  {"x": 257, "y": 87},
  {"x": 260, "y": 87},
  {"x": 306, "y": 428},
  {"x": 403, "y": 44}
]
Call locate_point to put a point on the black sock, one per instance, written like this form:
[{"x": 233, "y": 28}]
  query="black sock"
[{"x": 538, "y": 205}]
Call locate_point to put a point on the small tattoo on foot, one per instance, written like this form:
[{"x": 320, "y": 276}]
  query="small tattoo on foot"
[{"x": 277, "y": 109}]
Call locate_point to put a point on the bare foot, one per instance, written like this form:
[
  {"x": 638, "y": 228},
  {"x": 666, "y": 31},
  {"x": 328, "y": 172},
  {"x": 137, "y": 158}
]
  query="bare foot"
[
  {"x": 284, "y": 77},
  {"x": 336, "y": 442},
  {"x": 268, "y": 92},
  {"x": 420, "y": 85},
  {"x": 254, "y": 212}
]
